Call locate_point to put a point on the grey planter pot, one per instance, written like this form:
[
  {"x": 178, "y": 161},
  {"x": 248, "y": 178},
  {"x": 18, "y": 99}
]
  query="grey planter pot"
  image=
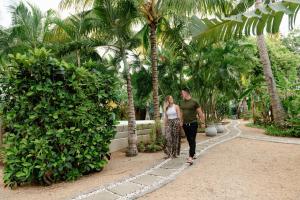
[
  {"x": 220, "y": 128},
  {"x": 211, "y": 130}
]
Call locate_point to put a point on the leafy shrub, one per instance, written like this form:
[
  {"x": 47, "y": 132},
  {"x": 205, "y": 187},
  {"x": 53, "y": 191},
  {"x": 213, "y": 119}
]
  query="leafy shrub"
[
  {"x": 290, "y": 129},
  {"x": 58, "y": 119},
  {"x": 283, "y": 132},
  {"x": 155, "y": 144},
  {"x": 153, "y": 147},
  {"x": 141, "y": 146},
  {"x": 222, "y": 108},
  {"x": 292, "y": 106}
]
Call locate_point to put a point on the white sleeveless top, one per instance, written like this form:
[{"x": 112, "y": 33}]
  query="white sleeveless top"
[{"x": 171, "y": 113}]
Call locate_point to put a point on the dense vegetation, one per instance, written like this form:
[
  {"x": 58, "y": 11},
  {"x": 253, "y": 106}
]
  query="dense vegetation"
[
  {"x": 59, "y": 76},
  {"x": 58, "y": 118}
]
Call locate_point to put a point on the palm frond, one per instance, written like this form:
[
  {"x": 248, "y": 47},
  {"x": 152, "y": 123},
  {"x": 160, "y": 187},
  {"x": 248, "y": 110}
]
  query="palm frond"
[
  {"x": 267, "y": 17},
  {"x": 143, "y": 35},
  {"x": 83, "y": 4},
  {"x": 205, "y": 7}
]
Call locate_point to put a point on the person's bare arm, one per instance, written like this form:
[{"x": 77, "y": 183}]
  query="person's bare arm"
[
  {"x": 201, "y": 114},
  {"x": 166, "y": 119},
  {"x": 179, "y": 114}
]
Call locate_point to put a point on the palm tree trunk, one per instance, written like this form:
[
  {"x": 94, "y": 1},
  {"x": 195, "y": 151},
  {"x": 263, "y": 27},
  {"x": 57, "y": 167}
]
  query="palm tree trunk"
[
  {"x": 253, "y": 109},
  {"x": 1, "y": 133},
  {"x": 277, "y": 109},
  {"x": 132, "y": 135},
  {"x": 153, "y": 41},
  {"x": 245, "y": 106}
]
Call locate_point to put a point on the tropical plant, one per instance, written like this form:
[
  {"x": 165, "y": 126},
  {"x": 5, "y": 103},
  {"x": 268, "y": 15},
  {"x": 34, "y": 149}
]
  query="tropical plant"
[
  {"x": 114, "y": 19},
  {"x": 50, "y": 134},
  {"x": 73, "y": 35},
  {"x": 29, "y": 29},
  {"x": 216, "y": 71},
  {"x": 141, "y": 78},
  {"x": 292, "y": 41},
  {"x": 153, "y": 12},
  {"x": 245, "y": 20}
]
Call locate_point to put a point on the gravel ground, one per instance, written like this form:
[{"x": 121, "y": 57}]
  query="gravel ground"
[
  {"x": 239, "y": 170},
  {"x": 119, "y": 167}
]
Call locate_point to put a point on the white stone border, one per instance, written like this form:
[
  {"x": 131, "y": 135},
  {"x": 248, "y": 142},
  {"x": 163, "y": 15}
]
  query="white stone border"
[{"x": 164, "y": 180}]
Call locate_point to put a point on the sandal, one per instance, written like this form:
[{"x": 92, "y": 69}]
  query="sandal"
[{"x": 190, "y": 161}]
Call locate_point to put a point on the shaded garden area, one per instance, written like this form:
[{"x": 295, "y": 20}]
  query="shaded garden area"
[{"x": 66, "y": 82}]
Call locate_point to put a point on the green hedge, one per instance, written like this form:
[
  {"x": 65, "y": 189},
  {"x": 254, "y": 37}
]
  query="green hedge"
[{"x": 58, "y": 119}]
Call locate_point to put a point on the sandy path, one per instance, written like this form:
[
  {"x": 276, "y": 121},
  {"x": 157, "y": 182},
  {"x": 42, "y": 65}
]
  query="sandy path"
[
  {"x": 238, "y": 170},
  {"x": 118, "y": 168}
]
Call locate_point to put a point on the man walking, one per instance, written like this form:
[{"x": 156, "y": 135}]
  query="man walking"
[{"x": 190, "y": 109}]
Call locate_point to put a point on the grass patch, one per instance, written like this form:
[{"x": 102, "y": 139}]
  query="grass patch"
[{"x": 252, "y": 125}]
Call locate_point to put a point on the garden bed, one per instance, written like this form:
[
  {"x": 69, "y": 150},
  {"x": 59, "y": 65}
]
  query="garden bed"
[{"x": 276, "y": 131}]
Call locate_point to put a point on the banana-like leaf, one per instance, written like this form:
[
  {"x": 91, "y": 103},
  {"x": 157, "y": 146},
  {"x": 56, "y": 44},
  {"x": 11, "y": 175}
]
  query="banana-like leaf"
[{"x": 267, "y": 17}]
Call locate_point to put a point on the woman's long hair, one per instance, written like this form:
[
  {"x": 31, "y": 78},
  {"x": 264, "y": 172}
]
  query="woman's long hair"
[{"x": 167, "y": 103}]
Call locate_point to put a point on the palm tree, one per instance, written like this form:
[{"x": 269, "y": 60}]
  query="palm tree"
[
  {"x": 152, "y": 12},
  {"x": 277, "y": 109},
  {"x": 29, "y": 29},
  {"x": 73, "y": 35},
  {"x": 244, "y": 21},
  {"x": 215, "y": 73},
  {"x": 114, "y": 20}
]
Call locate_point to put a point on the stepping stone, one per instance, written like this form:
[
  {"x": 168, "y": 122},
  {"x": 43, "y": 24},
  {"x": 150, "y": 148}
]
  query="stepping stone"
[
  {"x": 103, "y": 195},
  {"x": 147, "y": 180},
  {"x": 125, "y": 188},
  {"x": 174, "y": 163},
  {"x": 162, "y": 172}
]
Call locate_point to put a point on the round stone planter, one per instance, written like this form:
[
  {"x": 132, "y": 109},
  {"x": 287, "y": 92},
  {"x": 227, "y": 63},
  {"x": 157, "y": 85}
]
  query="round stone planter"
[
  {"x": 211, "y": 130},
  {"x": 220, "y": 128}
]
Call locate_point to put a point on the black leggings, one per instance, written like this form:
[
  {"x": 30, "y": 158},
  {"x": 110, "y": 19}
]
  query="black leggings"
[{"x": 190, "y": 130}]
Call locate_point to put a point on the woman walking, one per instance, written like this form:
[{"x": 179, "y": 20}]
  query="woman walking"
[{"x": 173, "y": 126}]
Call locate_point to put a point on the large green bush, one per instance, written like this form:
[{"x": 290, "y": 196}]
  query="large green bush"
[{"x": 58, "y": 119}]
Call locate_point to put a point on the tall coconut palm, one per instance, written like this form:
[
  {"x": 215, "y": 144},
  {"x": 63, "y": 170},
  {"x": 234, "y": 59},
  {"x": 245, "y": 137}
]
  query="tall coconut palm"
[
  {"x": 152, "y": 11},
  {"x": 244, "y": 20},
  {"x": 114, "y": 20},
  {"x": 277, "y": 109}
]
